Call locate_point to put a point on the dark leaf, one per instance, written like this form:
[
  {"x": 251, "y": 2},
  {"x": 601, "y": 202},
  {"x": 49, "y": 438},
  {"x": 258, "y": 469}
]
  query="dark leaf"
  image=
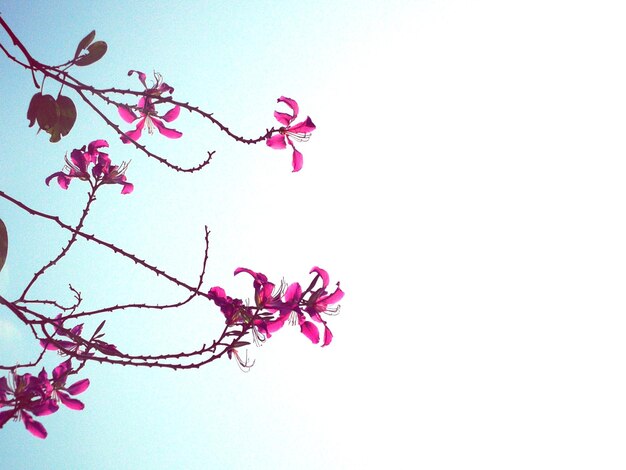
[
  {"x": 84, "y": 42},
  {"x": 94, "y": 53},
  {"x": 33, "y": 107},
  {"x": 47, "y": 112},
  {"x": 4, "y": 244},
  {"x": 100, "y": 326},
  {"x": 66, "y": 120}
]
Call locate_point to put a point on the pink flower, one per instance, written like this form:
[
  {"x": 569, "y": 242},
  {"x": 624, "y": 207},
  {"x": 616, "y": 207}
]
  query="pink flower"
[
  {"x": 234, "y": 310},
  {"x": 56, "y": 389},
  {"x": 146, "y": 108},
  {"x": 28, "y": 397},
  {"x": 76, "y": 166},
  {"x": 264, "y": 294},
  {"x": 320, "y": 301},
  {"x": 288, "y": 133},
  {"x": 102, "y": 171},
  {"x": 112, "y": 174}
]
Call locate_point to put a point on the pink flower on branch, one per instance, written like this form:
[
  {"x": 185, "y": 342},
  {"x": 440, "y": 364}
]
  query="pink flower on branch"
[
  {"x": 27, "y": 395},
  {"x": 56, "y": 389},
  {"x": 76, "y": 166},
  {"x": 146, "y": 108},
  {"x": 293, "y": 305},
  {"x": 102, "y": 171},
  {"x": 299, "y": 132},
  {"x": 112, "y": 174}
]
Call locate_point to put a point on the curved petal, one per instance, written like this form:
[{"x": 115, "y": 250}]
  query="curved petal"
[
  {"x": 303, "y": 127},
  {"x": 45, "y": 408},
  {"x": 34, "y": 427},
  {"x": 126, "y": 113},
  {"x": 291, "y": 103},
  {"x": 134, "y": 134},
  {"x": 309, "y": 330},
  {"x": 128, "y": 188},
  {"x": 277, "y": 141},
  {"x": 166, "y": 131},
  {"x": 328, "y": 336},
  {"x": 78, "y": 387},
  {"x": 335, "y": 296},
  {"x": 71, "y": 403},
  {"x": 293, "y": 294},
  {"x": 140, "y": 75},
  {"x": 5, "y": 416},
  {"x": 62, "y": 179},
  {"x": 284, "y": 118},
  {"x": 275, "y": 325},
  {"x": 323, "y": 274},
  {"x": 171, "y": 114},
  {"x": 60, "y": 372},
  {"x": 296, "y": 160}
]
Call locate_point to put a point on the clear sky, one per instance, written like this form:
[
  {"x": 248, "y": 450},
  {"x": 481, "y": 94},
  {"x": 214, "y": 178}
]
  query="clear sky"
[{"x": 465, "y": 184}]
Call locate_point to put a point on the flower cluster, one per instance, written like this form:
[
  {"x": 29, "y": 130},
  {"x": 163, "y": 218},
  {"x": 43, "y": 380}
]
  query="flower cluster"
[
  {"x": 26, "y": 395},
  {"x": 288, "y": 133},
  {"x": 103, "y": 172},
  {"x": 275, "y": 306},
  {"x": 146, "y": 107}
]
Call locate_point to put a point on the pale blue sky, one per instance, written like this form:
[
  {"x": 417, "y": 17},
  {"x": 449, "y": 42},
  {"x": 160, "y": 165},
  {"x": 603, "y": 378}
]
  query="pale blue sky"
[{"x": 465, "y": 184}]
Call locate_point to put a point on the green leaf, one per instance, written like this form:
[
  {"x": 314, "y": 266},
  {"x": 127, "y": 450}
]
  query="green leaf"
[
  {"x": 84, "y": 42},
  {"x": 33, "y": 107},
  {"x": 94, "y": 53},
  {"x": 4, "y": 244}
]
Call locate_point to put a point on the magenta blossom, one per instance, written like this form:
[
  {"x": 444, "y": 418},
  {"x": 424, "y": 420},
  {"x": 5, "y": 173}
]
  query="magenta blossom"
[
  {"x": 76, "y": 166},
  {"x": 112, "y": 174},
  {"x": 56, "y": 389},
  {"x": 102, "y": 171},
  {"x": 146, "y": 107},
  {"x": 288, "y": 133},
  {"x": 28, "y": 398}
]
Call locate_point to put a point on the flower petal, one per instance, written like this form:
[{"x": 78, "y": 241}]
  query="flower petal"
[
  {"x": 328, "y": 336},
  {"x": 34, "y": 427},
  {"x": 126, "y": 113},
  {"x": 309, "y": 330},
  {"x": 71, "y": 403},
  {"x": 166, "y": 131},
  {"x": 291, "y": 103},
  {"x": 323, "y": 274},
  {"x": 171, "y": 114},
  {"x": 277, "y": 141},
  {"x": 5, "y": 416},
  {"x": 293, "y": 294},
  {"x": 284, "y": 118},
  {"x": 62, "y": 179},
  {"x": 140, "y": 75},
  {"x": 303, "y": 127},
  {"x": 128, "y": 188},
  {"x": 78, "y": 387},
  {"x": 296, "y": 160},
  {"x": 45, "y": 408},
  {"x": 335, "y": 296},
  {"x": 134, "y": 134},
  {"x": 59, "y": 373}
]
